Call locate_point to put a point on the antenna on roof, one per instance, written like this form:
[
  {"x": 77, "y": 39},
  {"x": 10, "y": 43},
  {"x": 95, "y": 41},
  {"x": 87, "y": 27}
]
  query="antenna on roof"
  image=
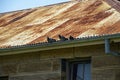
[
  {"x": 62, "y": 38},
  {"x": 50, "y": 40}
]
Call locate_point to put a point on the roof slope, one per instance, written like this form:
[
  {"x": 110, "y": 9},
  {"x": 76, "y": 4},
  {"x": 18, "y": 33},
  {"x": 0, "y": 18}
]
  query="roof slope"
[{"x": 84, "y": 18}]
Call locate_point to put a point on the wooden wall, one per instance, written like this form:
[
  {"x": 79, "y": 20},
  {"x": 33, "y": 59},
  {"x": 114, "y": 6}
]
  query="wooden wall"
[{"x": 46, "y": 65}]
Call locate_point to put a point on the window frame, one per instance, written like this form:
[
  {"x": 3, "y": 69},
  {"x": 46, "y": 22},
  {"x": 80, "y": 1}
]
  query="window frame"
[{"x": 68, "y": 66}]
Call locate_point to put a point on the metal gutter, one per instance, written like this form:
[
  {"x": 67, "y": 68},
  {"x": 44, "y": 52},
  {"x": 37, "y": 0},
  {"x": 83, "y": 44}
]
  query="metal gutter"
[{"x": 84, "y": 41}]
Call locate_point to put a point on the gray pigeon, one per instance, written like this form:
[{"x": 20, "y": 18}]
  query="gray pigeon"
[
  {"x": 50, "y": 40},
  {"x": 71, "y": 38},
  {"x": 62, "y": 38}
]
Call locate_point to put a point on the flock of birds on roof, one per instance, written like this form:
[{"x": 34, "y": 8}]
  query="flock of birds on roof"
[{"x": 62, "y": 38}]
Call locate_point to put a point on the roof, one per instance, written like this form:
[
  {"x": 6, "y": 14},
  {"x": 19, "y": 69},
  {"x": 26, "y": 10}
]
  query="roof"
[{"x": 75, "y": 18}]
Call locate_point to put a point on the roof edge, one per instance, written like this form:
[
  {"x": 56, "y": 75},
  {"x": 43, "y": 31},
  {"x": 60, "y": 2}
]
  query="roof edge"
[{"x": 86, "y": 41}]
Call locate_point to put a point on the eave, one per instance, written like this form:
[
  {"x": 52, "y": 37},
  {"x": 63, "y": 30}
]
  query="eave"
[{"x": 85, "y": 41}]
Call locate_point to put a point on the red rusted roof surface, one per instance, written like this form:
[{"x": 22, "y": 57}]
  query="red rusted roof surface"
[{"x": 75, "y": 18}]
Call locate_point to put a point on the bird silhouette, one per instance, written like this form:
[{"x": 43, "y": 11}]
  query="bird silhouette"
[
  {"x": 71, "y": 38},
  {"x": 50, "y": 40},
  {"x": 62, "y": 38}
]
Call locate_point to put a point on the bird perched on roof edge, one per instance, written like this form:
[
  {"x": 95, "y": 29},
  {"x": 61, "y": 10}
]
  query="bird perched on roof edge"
[
  {"x": 71, "y": 38},
  {"x": 62, "y": 38},
  {"x": 50, "y": 40}
]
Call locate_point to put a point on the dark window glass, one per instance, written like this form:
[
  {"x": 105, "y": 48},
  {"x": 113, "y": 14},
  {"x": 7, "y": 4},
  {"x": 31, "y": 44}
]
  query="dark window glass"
[
  {"x": 80, "y": 71},
  {"x": 4, "y": 78}
]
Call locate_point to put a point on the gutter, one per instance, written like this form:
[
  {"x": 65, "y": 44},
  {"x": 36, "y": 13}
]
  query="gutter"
[
  {"x": 84, "y": 41},
  {"x": 108, "y": 48}
]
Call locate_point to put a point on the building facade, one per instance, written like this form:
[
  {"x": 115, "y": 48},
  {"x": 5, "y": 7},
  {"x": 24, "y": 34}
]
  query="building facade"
[{"x": 93, "y": 53}]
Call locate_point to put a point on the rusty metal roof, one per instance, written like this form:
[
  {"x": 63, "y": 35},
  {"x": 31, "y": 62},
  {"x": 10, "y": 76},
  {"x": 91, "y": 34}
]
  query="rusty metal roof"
[{"x": 75, "y": 18}]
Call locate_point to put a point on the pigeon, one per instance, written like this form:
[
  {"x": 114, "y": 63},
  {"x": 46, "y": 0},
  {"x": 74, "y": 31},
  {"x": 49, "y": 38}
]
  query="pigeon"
[
  {"x": 71, "y": 38},
  {"x": 62, "y": 38},
  {"x": 50, "y": 40}
]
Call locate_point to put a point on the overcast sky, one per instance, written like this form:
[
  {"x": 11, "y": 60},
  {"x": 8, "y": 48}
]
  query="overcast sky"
[{"x": 13, "y": 5}]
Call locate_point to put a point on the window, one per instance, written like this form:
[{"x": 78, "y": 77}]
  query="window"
[
  {"x": 4, "y": 78},
  {"x": 81, "y": 71},
  {"x": 78, "y": 70}
]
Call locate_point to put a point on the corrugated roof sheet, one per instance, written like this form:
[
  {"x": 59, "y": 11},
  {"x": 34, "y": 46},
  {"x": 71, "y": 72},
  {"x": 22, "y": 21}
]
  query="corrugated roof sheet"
[{"x": 78, "y": 19}]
